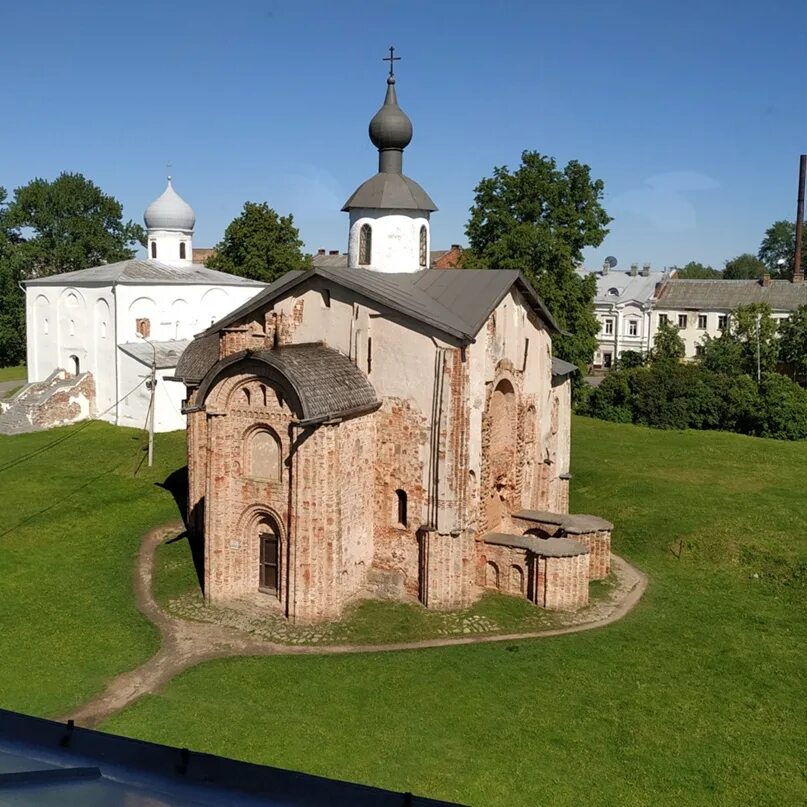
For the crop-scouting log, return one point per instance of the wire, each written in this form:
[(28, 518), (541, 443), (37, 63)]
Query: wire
[(62, 438)]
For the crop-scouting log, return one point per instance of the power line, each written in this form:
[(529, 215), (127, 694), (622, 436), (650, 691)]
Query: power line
[(59, 440)]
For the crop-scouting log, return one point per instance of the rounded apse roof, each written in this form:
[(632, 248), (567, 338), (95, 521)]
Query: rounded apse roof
[(169, 211)]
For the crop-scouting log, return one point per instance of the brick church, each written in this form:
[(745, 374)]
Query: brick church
[(386, 429)]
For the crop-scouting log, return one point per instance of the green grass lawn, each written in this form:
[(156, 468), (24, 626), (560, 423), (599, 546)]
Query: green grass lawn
[(697, 697), (72, 518), (13, 373)]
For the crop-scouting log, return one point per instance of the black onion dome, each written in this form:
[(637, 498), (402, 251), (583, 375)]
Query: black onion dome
[(390, 128)]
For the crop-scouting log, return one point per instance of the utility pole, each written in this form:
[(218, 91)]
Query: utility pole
[(151, 385), (759, 366), (798, 274)]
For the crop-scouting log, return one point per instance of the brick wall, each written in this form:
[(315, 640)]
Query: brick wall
[(447, 564), (503, 568), (561, 584), (598, 544)]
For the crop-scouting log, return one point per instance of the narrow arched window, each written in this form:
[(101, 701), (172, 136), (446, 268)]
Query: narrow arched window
[(269, 571), (76, 365), (182, 250), (423, 245), (400, 496), (365, 245), (153, 249), (45, 326), (263, 456)]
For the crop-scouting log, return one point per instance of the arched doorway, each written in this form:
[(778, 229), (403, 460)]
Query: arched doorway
[(269, 547), (75, 365)]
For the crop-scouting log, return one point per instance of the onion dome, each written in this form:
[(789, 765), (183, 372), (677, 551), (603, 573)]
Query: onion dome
[(390, 128), (169, 211)]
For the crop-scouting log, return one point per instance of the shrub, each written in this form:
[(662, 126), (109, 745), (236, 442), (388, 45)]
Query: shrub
[(784, 408)]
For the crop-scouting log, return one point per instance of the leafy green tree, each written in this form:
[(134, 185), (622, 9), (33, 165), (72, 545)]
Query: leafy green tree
[(793, 341), (744, 267), (630, 359), (668, 346), (784, 408), (755, 329), (778, 249), (722, 354), (697, 271), (53, 227), (538, 219), (259, 244)]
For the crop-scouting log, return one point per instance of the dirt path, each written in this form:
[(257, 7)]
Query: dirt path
[(185, 644)]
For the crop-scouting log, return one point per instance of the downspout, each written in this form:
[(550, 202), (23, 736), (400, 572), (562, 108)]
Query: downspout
[(115, 351), (434, 443)]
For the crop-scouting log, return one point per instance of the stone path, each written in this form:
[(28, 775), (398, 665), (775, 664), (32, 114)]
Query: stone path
[(185, 644)]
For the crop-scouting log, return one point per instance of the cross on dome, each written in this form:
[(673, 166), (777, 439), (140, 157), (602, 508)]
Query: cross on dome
[(392, 58)]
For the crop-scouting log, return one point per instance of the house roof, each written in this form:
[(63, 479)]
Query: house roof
[(544, 547), (456, 303), (167, 354), (561, 368), (620, 287), (781, 295), (325, 384), (141, 271), (199, 356)]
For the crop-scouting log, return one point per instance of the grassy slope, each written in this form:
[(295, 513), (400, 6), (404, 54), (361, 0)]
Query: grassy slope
[(696, 697), (13, 373), (72, 517)]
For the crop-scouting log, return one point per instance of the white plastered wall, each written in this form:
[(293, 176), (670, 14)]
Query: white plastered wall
[(395, 239)]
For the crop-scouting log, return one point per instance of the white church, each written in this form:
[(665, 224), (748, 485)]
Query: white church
[(92, 335)]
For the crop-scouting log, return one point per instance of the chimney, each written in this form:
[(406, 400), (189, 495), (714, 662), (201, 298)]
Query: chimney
[(646, 270), (634, 269), (456, 247), (766, 280), (320, 252), (334, 252), (605, 267)]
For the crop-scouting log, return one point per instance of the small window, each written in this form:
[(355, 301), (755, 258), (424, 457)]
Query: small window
[(702, 322), (103, 330), (423, 252), (369, 355), (613, 292), (72, 327), (143, 327), (663, 319), (633, 327), (609, 327), (153, 249), (400, 497), (45, 327), (365, 245), (182, 250), (607, 360), (326, 298), (270, 557), (682, 320), (76, 365), (722, 321)]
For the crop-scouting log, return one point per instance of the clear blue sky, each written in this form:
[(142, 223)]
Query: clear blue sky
[(693, 113)]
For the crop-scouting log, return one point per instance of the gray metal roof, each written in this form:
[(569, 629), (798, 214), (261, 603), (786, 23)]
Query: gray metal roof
[(726, 295), (142, 271), (544, 547), (572, 523), (621, 287), (561, 368), (167, 353), (324, 383), (456, 302), (390, 191), (197, 359)]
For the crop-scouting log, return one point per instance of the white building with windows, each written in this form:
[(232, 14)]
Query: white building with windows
[(114, 321), (701, 308), (623, 305)]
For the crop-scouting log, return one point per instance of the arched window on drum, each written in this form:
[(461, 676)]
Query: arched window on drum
[(263, 456)]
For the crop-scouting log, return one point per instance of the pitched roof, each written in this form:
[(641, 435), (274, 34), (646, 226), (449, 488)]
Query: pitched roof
[(619, 287), (198, 357), (167, 354), (781, 295), (326, 383), (561, 368), (389, 191), (141, 271), (456, 303)]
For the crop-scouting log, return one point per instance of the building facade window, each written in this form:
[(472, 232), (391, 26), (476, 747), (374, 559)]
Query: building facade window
[(153, 249), (423, 245), (702, 322), (633, 327), (182, 250), (143, 327), (365, 245), (663, 319), (722, 321), (400, 507), (609, 327), (682, 320), (607, 360)]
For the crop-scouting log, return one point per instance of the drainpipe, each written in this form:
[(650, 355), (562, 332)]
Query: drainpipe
[(434, 442), (115, 350)]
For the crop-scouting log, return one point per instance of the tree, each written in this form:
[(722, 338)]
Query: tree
[(697, 271), (778, 249), (629, 359), (744, 267), (49, 228), (259, 245), (538, 219), (668, 346), (793, 341), (722, 354), (755, 329)]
